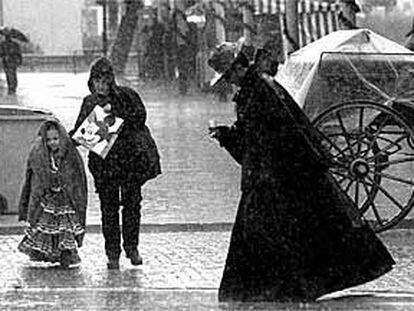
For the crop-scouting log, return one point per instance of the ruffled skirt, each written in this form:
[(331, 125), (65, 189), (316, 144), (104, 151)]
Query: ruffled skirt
[(57, 234)]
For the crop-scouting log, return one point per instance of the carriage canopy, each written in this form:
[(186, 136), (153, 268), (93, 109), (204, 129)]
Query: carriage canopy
[(348, 65)]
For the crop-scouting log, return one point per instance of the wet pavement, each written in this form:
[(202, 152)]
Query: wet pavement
[(181, 271)]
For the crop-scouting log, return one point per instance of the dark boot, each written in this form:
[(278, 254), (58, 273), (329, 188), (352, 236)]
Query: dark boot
[(69, 259), (135, 257), (113, 263)]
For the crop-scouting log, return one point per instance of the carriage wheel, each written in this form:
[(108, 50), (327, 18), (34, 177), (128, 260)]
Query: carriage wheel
[(373, 159)]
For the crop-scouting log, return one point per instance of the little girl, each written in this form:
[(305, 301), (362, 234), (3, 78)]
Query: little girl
[(53, 198)]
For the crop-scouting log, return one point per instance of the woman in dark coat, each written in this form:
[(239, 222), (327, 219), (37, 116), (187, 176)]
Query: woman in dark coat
[(297, 235), (132, 160)]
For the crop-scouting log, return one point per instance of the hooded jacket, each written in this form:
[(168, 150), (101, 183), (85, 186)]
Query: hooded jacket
[(134, 156), (71, 174)]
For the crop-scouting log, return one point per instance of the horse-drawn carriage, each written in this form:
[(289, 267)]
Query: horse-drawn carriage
[(358, 89)]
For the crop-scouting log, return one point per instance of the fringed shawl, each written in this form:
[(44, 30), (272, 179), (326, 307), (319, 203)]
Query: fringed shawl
[(39, 178)]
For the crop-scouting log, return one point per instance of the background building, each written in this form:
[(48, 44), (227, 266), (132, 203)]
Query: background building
[(55, 26), (390, 18)]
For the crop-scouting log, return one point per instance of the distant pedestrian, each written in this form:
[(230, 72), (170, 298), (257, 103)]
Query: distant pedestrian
[(54, 198), (12, 58), (297, 235), (132, 160), (154, 55), (3, 204)]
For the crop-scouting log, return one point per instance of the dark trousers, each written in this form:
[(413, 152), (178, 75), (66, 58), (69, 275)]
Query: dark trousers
[(112, 195), (11, 77)]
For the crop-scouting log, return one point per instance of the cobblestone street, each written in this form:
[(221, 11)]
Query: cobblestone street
[(171, 260), (181, 271)]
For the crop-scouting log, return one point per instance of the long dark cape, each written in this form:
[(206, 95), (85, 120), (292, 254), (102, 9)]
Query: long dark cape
[(297, 235)]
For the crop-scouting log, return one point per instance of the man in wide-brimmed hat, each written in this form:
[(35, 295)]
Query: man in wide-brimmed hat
[(221, 56), (221, 59), (225, 59), (290, 207), (229, 58)]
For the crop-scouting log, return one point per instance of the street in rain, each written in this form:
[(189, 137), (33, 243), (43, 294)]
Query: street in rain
[(345, 66)]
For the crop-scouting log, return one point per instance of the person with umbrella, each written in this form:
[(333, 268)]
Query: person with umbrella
[(297, 235), (11, 55)]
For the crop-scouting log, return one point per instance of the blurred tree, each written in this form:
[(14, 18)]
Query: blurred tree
[(123, 41), (113, 9), (292, 25)]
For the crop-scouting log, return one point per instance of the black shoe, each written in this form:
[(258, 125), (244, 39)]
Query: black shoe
[(69, 259), (135, 258), (113, 264)]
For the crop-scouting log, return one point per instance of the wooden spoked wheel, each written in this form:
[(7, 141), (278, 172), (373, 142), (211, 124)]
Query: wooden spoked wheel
[(373, 158)]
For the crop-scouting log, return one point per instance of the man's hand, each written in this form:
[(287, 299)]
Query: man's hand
[(217, 132)]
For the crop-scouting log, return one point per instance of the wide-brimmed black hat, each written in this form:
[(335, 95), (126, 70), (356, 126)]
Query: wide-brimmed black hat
[(223, 59)]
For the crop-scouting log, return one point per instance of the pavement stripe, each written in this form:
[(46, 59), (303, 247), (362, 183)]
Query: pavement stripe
[(106, 289), (175, 227), (145, 228), (374, 293)]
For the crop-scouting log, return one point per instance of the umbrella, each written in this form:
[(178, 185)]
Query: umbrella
[(14, 34)]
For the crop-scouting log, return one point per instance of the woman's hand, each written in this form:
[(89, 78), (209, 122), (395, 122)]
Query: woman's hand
[(101, 100)]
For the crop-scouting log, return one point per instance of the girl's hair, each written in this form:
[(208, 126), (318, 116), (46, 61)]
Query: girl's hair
[(64, 140), (50, 125)]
